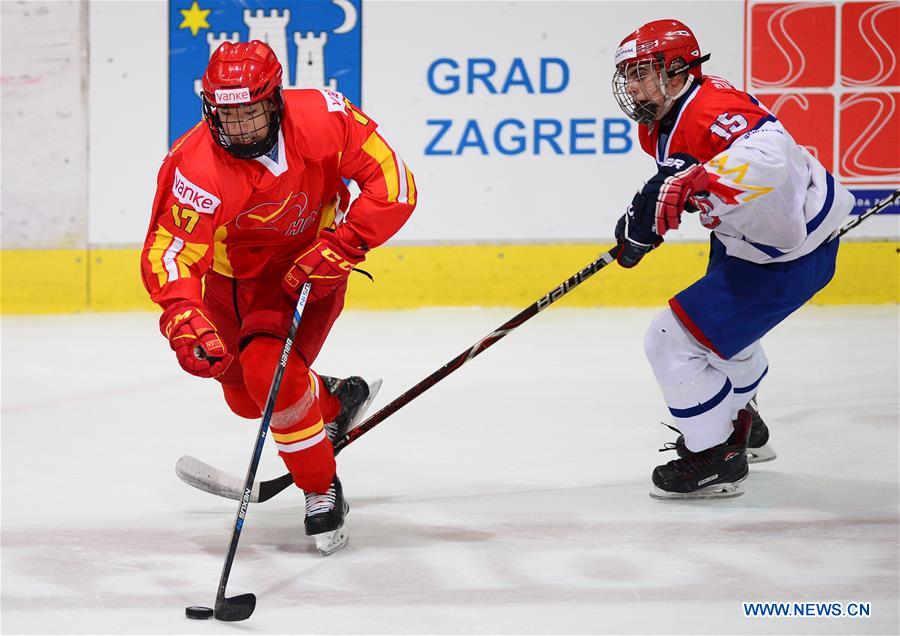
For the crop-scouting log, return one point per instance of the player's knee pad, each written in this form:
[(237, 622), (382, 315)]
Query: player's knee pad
[(673, 353), (259, 360), (240, 402)]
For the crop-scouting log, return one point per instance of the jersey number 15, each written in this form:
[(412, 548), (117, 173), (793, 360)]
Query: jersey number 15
[(727, 126)]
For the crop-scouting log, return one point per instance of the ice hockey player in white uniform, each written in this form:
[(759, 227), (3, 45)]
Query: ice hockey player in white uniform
[(774, 212)]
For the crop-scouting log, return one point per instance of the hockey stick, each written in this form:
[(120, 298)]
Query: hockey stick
[(238, 608), (210, 479), (204, 477), (216, 482), (875, 209)]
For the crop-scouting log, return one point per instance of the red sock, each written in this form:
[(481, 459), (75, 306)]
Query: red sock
[(297, 426), (330, 405)]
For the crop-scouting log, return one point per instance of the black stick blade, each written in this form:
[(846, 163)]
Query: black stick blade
[(236, 608), (268, 489)]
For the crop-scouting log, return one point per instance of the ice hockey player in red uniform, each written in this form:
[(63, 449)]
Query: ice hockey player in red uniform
[(250, 204), (774, 212)]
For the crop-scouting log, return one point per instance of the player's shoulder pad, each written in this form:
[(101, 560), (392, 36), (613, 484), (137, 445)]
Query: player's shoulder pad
[(190, 142), (317, 119), (313, 102), (190, 189), (717, 96), (189, 172)]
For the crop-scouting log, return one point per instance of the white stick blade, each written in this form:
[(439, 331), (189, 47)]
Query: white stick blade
[(201, 475)]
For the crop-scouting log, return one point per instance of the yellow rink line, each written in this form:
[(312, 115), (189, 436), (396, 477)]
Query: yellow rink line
[(61, 281)]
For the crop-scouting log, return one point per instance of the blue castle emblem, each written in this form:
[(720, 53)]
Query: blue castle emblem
[(318, 42)]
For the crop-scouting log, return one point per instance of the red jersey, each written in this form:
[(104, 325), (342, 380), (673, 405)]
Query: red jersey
[(243, 217), (711, 116), (771, 200)]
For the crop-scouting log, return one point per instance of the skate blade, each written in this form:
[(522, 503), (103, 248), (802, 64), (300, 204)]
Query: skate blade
[(764, 453), (330, 542), (374, 387), (718, 491)]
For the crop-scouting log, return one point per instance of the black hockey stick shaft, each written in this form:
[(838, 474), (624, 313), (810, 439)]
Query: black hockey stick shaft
[(489, 340), (272, 487), (526, 314), (878, 207), (241, 607)]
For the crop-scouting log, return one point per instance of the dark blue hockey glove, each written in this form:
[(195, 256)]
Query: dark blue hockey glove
[(634, 241)]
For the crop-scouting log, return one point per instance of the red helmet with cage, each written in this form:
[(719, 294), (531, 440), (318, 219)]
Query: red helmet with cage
[(242, 101), (652, 55)]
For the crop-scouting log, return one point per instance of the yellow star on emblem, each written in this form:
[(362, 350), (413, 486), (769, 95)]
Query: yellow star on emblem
[(194, 18)]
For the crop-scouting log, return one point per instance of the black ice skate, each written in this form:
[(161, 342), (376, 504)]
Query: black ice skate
[(713, 473), (325, 518), (758, 449), (355, 395)]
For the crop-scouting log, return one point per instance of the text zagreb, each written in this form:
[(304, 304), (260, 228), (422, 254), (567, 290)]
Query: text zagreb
[(504, 133)]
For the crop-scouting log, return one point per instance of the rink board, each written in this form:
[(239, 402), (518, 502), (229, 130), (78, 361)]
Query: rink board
[(59, 281)]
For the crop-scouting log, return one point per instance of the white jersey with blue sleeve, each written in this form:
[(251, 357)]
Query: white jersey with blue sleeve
[(771, 200)]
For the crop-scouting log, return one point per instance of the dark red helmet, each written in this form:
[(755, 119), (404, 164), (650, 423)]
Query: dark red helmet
[(239, 75), (664, 47)]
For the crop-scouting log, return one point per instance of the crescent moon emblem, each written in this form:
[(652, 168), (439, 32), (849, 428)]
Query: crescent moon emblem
[(350, 16)]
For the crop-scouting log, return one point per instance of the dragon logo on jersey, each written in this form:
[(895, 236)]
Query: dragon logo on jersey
[(318, 42), (288, 217)]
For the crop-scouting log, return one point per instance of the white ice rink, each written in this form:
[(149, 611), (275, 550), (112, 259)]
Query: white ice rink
[(510, 498)]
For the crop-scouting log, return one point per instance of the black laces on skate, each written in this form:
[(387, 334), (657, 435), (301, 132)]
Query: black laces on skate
[(687, 467), (669, 446)]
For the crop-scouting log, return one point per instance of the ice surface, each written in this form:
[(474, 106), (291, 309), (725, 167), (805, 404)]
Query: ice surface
[(510, 498)]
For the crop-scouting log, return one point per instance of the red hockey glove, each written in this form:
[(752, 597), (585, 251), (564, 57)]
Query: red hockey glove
[(659, 204), (657, 208), (194, 340), (326, 264)]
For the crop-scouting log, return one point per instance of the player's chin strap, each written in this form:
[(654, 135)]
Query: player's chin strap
[(664, 80), (692, 64)]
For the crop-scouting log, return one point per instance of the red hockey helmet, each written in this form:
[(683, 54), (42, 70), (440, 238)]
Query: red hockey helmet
[(654, 53), (242, 100)]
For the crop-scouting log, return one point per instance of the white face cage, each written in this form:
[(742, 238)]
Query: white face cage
[(640, 89)]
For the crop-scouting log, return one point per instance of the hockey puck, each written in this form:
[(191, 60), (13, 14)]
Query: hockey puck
[(198, 612)]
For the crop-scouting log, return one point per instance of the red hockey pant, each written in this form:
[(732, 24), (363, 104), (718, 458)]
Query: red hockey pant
[(253, 317)]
